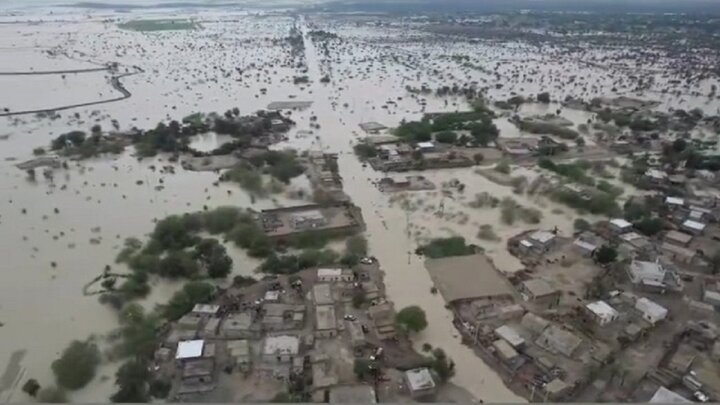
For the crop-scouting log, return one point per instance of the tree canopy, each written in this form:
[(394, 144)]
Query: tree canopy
[(411, 319), (77, 365)]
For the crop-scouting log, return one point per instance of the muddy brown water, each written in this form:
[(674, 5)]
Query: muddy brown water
[(41, 305)]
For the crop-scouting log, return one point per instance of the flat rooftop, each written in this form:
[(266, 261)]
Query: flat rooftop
[(288, 221), (325, 317), (467, 277)]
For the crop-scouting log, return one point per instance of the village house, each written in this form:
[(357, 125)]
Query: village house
[(510, 335), (238, 352), (540, 292), (420, 383), (650, 310), (620, 226), (678, 238), (653, 276), (325, 322), (693, 227), (352, 394), (601, 312), (280, 349), (539, 242), (334, 275), (239, 326), (656, 176), (674, 202), (678, 253), (322, 294), (558, 340)]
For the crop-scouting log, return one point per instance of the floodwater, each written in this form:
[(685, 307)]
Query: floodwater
[(233, 62)]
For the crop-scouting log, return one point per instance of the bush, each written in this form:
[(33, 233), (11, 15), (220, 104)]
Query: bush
[(442, 365), (503, 167), (39, 151), (214, 258), (446, 247), (415, 131), (77, 364), (138, 331), (543, 97), (411, 319), (176, 232)]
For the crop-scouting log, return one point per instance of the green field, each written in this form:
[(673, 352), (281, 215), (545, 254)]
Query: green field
[(159, 25)]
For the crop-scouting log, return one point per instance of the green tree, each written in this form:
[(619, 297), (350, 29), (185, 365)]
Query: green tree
[(131, 379), (362, 368), (503, 167), (182, 302), (77, 364), (411, 319), (446, 137), (606, 254), (178, 263), (221, 219), (649, 226), (214, 257), (442, 365), (543, 97), (138, 331), (356, 245), (581, 225)]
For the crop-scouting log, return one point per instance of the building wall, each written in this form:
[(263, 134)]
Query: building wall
[(325, 334)]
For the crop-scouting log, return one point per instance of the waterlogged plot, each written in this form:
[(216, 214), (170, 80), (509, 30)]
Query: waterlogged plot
[(159, 25)]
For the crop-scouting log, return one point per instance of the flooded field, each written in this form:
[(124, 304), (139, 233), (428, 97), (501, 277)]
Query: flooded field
[(57, 234)]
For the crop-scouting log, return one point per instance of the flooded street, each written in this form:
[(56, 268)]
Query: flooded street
[(59, 233)]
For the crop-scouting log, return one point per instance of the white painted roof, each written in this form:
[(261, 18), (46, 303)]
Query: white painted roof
[(652, 308), (657, 174), (584, 245), (694, 225), (665, 396), (425, 145), (542, 236), (510, 335), (329, 272), (419, 379), (526, 243), (190, 349), (272, 295), (602, 309), (674, 201), (620, 223), (206, 309)]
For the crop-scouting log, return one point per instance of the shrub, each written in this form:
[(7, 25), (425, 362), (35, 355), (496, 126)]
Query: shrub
[(445, 247), (446, 137)]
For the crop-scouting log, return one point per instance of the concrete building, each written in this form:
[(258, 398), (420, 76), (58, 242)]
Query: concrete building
[(325, 322), (678, 238), (534, 324), (557, 340), (620, 226), (693, 227), (651, 311), (210, 330), (674, 202), (540, 292), (238, 352), (656, 176), (352, 394), (280, 349), (322, 294), (677, 253), (206, 309), (602, 312), (505, 351), (652, 275), (711, 297), (357, 337), (542, 240), (420, 383), (383, 318), (282, 317), (189, 349), (510, 335), (239, 326), (334, 275), (666, 396)]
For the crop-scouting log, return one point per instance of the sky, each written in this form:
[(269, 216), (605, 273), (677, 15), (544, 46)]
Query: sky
[(599, 5)]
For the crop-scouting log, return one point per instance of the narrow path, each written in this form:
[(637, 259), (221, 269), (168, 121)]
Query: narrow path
[(115, 82), (53, 72), (406, 279)]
